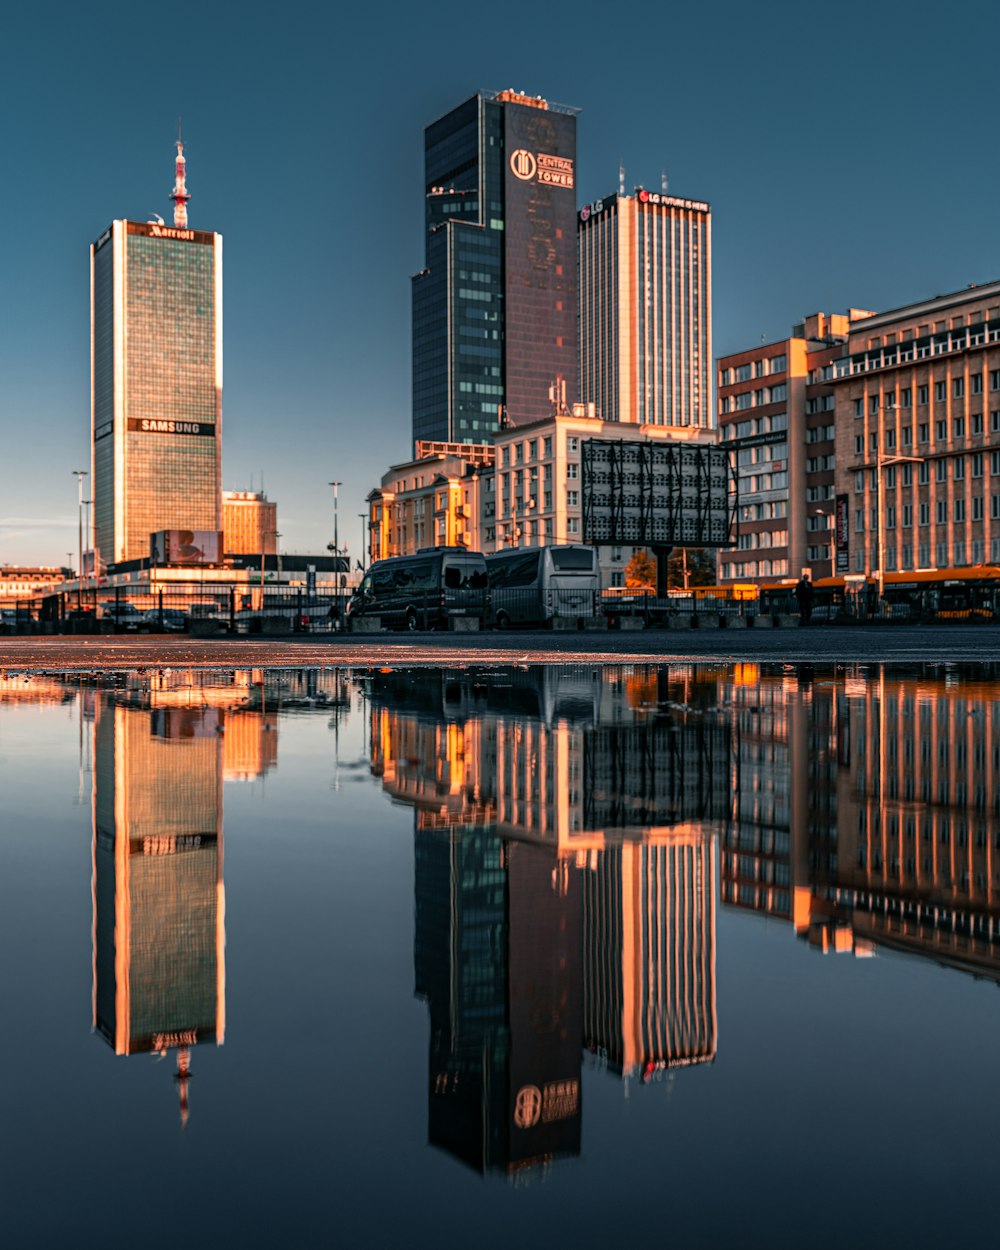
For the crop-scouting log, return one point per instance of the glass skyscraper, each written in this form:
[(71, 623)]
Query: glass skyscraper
[(156, 384), (494, 308)]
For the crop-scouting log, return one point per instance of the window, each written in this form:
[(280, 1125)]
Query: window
[(921, 394), (924, 431), (859, 445), (907, 471), (907, 435), (779, 393), (859, 482), (744, 373), (976, 383), (906, 398), (907, 516), (925, 514), (941, 512), (995, 421), (890, 440), (977, 464), (958, 388), (572, 525), (959, 509), (995, 379), (547, 446), (859, 407), (958, 426), (977, 422), (995, 507), (890, 477), (777, 364), (923, 473), (977, 508), (890, 518), (873, 405), (940, 392), (941, 470), (572, 444), (959, 468), (572, 470), (572, 499)]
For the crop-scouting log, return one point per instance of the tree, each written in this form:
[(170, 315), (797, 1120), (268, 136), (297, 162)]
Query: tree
[(641, 569), (699, 563)]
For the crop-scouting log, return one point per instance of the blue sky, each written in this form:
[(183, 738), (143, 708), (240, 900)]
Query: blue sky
[(848, 152)]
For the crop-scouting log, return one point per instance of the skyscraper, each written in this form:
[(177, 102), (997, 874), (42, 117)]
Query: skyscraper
[(156, 380), (646, 309), (494, 308)]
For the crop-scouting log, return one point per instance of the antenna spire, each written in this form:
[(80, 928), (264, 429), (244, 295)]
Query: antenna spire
[(180, 194)]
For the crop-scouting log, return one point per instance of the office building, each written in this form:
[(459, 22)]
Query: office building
[(495, 306), (645, 273), (918, 436), (776, 413), (249, 523), (156, 381)]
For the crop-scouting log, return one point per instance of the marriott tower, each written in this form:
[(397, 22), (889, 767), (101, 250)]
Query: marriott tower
[(156, 380)]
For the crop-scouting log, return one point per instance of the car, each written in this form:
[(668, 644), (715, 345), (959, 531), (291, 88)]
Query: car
[(125, 615), (169, 621)]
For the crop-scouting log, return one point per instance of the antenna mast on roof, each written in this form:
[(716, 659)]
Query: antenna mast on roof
[(663, 181), (180, 194), (621, 179)]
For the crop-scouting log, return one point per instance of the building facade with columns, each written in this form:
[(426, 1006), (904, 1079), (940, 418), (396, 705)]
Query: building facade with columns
[(918, 436)]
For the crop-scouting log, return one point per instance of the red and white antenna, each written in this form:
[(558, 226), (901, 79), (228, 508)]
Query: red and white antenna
[(180, 194)]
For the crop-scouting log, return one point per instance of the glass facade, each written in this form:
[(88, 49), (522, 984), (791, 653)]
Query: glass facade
[(479, 261), (157, 385)]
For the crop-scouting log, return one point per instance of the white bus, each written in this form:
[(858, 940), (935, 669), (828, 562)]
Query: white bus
[(534, 585)]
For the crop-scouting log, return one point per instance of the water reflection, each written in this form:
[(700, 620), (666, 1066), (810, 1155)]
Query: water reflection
[(575, 827)]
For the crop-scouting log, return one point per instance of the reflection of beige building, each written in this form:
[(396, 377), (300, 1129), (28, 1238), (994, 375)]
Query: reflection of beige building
[(649, 954)]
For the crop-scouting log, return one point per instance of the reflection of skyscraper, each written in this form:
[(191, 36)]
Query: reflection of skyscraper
[(649, 954), (159, 911), (156, 382), (497, 958)]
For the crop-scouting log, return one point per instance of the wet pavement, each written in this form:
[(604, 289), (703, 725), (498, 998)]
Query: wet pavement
[(960, 642)]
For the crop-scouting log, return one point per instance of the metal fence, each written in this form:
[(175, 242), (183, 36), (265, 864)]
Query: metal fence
[(176, 607)]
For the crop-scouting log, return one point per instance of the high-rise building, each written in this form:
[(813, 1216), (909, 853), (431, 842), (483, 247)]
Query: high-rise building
[(645, 272), (494, 308), (249, 523), (156, 380)]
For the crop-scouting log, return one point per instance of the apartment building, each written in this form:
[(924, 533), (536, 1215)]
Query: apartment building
[(918, 436)]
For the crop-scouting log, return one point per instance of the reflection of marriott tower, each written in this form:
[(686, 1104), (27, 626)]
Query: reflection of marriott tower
[(159, 911)]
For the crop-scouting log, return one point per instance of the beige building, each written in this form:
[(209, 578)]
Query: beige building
[(27, 581), (776, 411), (249, 523), (431, 501), (918, 435), (645, 266)]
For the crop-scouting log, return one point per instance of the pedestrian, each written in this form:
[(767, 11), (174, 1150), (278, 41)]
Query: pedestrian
[(804, 593)]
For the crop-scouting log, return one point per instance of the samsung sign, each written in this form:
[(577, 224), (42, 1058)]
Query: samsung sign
[(151, 425)]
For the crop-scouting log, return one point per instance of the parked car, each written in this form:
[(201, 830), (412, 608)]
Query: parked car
[(170, 621), (125, 615), (425, 590)]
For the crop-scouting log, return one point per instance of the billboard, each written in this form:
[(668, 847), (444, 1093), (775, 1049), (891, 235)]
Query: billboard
[(540, 257), (658, 494), (169, 547)]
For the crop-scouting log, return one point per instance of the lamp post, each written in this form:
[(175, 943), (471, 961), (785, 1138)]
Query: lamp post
[(336, 547), (79, 474), (364, 545), (882, 462), (86, 529)]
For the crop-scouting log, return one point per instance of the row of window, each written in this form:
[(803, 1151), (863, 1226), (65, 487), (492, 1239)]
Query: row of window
[(750, 399), (959, 513), (765, 367), (977, 463), (957, 554), (888, 398)]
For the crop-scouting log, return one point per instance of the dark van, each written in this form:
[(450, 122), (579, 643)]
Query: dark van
[(423, 591)]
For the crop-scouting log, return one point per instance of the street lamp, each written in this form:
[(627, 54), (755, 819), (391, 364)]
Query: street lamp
[(336, 547), (883, 462), (364, 545), (86, 530), (79, 474)]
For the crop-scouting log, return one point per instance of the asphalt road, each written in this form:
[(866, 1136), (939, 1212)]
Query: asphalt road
[(896, 644)]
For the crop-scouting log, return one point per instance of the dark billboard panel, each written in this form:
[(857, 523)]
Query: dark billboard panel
[(540, 250), (657, 494)]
